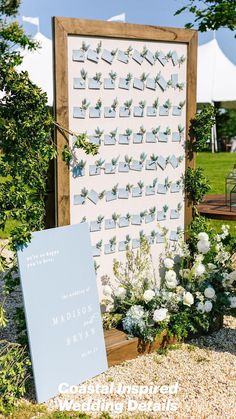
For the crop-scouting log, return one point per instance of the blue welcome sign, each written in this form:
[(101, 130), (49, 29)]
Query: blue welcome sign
[(62, 308)]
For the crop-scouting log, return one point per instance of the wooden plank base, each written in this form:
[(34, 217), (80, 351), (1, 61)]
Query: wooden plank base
[(214, 207), (119, 348)]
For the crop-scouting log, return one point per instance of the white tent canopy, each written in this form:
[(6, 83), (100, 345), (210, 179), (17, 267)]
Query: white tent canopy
[(39, 65), (216, 76)]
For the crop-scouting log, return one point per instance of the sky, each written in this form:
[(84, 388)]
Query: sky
[(149, 12)]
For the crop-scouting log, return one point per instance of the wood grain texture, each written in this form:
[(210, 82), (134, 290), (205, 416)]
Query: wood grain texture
[(63, 27), (191, 108), (119, 348), (213, 206), (62, 117)]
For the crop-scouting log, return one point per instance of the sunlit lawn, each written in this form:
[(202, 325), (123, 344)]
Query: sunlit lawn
[(216, 167)]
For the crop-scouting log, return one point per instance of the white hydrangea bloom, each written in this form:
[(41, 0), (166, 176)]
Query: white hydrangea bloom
[(107, 290), (203, 236), (148, 295), (203, 247), (232, 301), (209, 292), (201, 307), (188, 299), (208, 306), (120, 292), (160, 314), (199, 269)]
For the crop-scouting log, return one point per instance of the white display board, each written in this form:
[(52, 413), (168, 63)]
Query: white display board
[(135, 173)]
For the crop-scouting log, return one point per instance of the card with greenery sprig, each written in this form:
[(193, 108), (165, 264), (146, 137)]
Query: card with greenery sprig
[(109, 56), (151, 164), (162, 83), (160, 56), (79, 169), (125, 111), (95, 82), (163, 136), (177, 136), (139, 110), (95, 112), (112, 194), (93, 196), (137, 191), (124, 56), (151, 137), (111, 246), (80, 54), (111, 138), (136, 56), (177, 110), (80, 112), (110, 168), (151, 189), (109, 83), (80, 83), (164, 110), (148, 55), (138, 137), (152, 110), (125, 138), (139, 83), (150, 217), (94, 55), (110, 111)]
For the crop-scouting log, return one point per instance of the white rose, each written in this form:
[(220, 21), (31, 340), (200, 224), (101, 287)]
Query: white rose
[(201, 307), (120, 292), (172, 283), (148, 295), (160, 314), (209, 292), (203, 247), (170, 275), (232, 301), (188, 299), (107, 290), (168, 263), (203, 237), (200, 269), (208, 306)]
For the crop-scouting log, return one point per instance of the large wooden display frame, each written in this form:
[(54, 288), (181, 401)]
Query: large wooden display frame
[(66, 30)]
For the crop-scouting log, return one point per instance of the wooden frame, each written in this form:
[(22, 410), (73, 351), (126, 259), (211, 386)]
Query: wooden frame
[(64, 27)]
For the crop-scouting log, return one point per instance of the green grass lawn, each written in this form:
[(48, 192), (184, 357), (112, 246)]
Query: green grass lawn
[(216, 167)]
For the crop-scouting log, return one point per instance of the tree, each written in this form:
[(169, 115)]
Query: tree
[(211, 14)]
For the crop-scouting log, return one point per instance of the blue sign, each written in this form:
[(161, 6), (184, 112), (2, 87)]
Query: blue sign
[(62, 308)]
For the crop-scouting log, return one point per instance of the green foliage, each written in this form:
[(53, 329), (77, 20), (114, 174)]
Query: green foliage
[(211, 14), (14, 370), (196, 186), (201, 126), (226, 123)]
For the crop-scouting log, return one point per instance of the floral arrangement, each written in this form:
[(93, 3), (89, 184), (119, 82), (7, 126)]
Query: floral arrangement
[(197, 286)]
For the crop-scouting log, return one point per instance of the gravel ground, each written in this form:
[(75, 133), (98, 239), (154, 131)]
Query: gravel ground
[(205, 370)]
